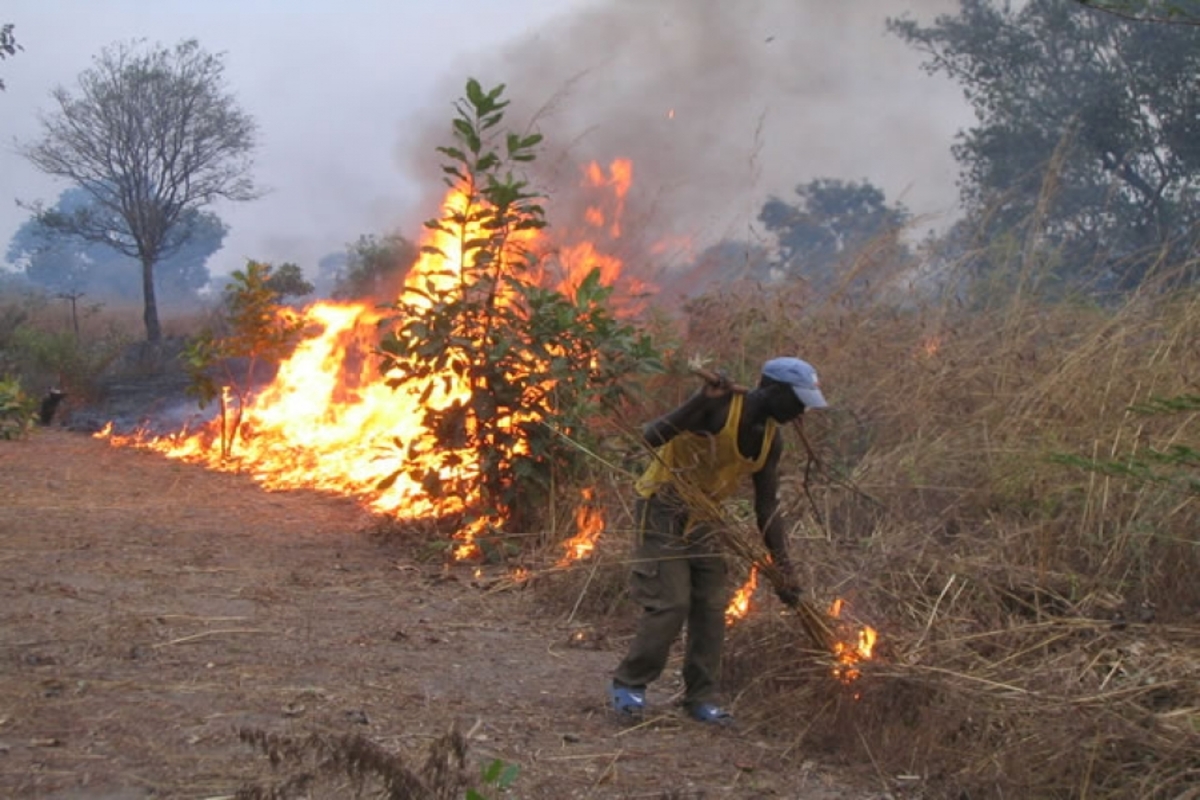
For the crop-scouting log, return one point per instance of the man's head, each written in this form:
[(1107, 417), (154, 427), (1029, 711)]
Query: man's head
[(799, 376)]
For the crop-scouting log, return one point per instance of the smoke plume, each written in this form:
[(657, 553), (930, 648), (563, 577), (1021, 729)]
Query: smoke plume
[(721, 105)]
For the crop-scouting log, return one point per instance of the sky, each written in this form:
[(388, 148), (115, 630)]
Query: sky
[(719, 105)]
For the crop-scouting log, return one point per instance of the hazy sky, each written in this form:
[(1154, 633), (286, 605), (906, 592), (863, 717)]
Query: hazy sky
[(719, 104)]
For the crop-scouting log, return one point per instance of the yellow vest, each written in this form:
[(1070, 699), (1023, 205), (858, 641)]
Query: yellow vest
[(707, 462)]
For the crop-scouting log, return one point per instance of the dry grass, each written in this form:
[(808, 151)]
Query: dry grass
[(1040, 622)]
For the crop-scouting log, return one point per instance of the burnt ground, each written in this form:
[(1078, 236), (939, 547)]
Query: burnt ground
[(152, 609)]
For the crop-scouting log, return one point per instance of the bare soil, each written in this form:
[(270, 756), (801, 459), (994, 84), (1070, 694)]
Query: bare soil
[(152, 609)]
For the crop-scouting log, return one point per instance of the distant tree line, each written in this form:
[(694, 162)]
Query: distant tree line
[(62, 262)]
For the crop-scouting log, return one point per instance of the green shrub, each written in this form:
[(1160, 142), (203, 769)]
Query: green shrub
[(16, 409), (536, 363), (261, 330)]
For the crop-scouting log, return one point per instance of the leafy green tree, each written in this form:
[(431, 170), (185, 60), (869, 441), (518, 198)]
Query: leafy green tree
[(257, 329), (152, 137), (287, 280), (8, 45), (535, 362), (1088, 133), (831, 222), (374, 266), (64, 262)]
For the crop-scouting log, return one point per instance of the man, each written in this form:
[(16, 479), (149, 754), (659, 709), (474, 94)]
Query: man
[(702, 450)]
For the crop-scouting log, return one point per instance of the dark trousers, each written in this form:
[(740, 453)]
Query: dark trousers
[(678, 576)]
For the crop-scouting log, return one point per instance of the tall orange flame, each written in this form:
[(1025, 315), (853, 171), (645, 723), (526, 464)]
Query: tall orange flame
[(328, 421)]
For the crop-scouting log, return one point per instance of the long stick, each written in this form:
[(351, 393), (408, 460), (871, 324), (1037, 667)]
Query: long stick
[(714, 379)]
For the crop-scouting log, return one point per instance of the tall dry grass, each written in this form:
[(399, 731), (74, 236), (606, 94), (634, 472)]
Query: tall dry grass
[(1039, 621)]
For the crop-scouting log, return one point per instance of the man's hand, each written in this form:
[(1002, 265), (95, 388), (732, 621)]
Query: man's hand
[(788, 591), (717, 384)]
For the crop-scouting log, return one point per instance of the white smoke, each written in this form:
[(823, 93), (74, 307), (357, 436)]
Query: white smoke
[(721, 105)]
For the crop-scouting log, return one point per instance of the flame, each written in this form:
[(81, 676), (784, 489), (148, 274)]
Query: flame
[(849, 653), (619, 179), (589, 523), (328, 420), (739, 604)]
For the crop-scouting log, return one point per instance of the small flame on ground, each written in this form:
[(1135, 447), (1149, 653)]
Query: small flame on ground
[(466, 536), (849, 654), (589, 524), (739, 605)]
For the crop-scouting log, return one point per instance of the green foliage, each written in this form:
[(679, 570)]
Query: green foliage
[(536, 363), (1175, 467), (16, 409), (260, 330), (375, 266), (44, 354), (496, 775), (287, 280), (13, 316), (1178, 12)]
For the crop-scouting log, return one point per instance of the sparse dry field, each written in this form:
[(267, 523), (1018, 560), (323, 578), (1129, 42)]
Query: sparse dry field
[(152, 609)]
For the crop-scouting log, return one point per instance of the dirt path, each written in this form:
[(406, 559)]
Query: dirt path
[(151, 609)]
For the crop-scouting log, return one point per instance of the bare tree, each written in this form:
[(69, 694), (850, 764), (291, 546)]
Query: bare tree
[(152, 136)]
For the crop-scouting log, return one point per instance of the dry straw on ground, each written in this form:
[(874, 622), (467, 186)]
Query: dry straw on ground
[(1039, 620)]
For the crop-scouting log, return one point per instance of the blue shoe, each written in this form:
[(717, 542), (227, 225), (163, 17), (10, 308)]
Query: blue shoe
[(628, 701), (707, 712)]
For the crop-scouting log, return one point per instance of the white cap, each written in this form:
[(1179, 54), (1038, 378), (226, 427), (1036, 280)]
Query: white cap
[(801, 376)]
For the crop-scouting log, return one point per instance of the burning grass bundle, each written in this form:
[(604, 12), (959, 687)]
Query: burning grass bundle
[(1041, 699)]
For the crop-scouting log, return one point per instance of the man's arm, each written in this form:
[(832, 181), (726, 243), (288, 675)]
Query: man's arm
[(770, 522), (698, 414)]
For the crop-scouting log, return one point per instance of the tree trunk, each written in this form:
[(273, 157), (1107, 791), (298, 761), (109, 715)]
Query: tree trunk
[(150, 314)]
